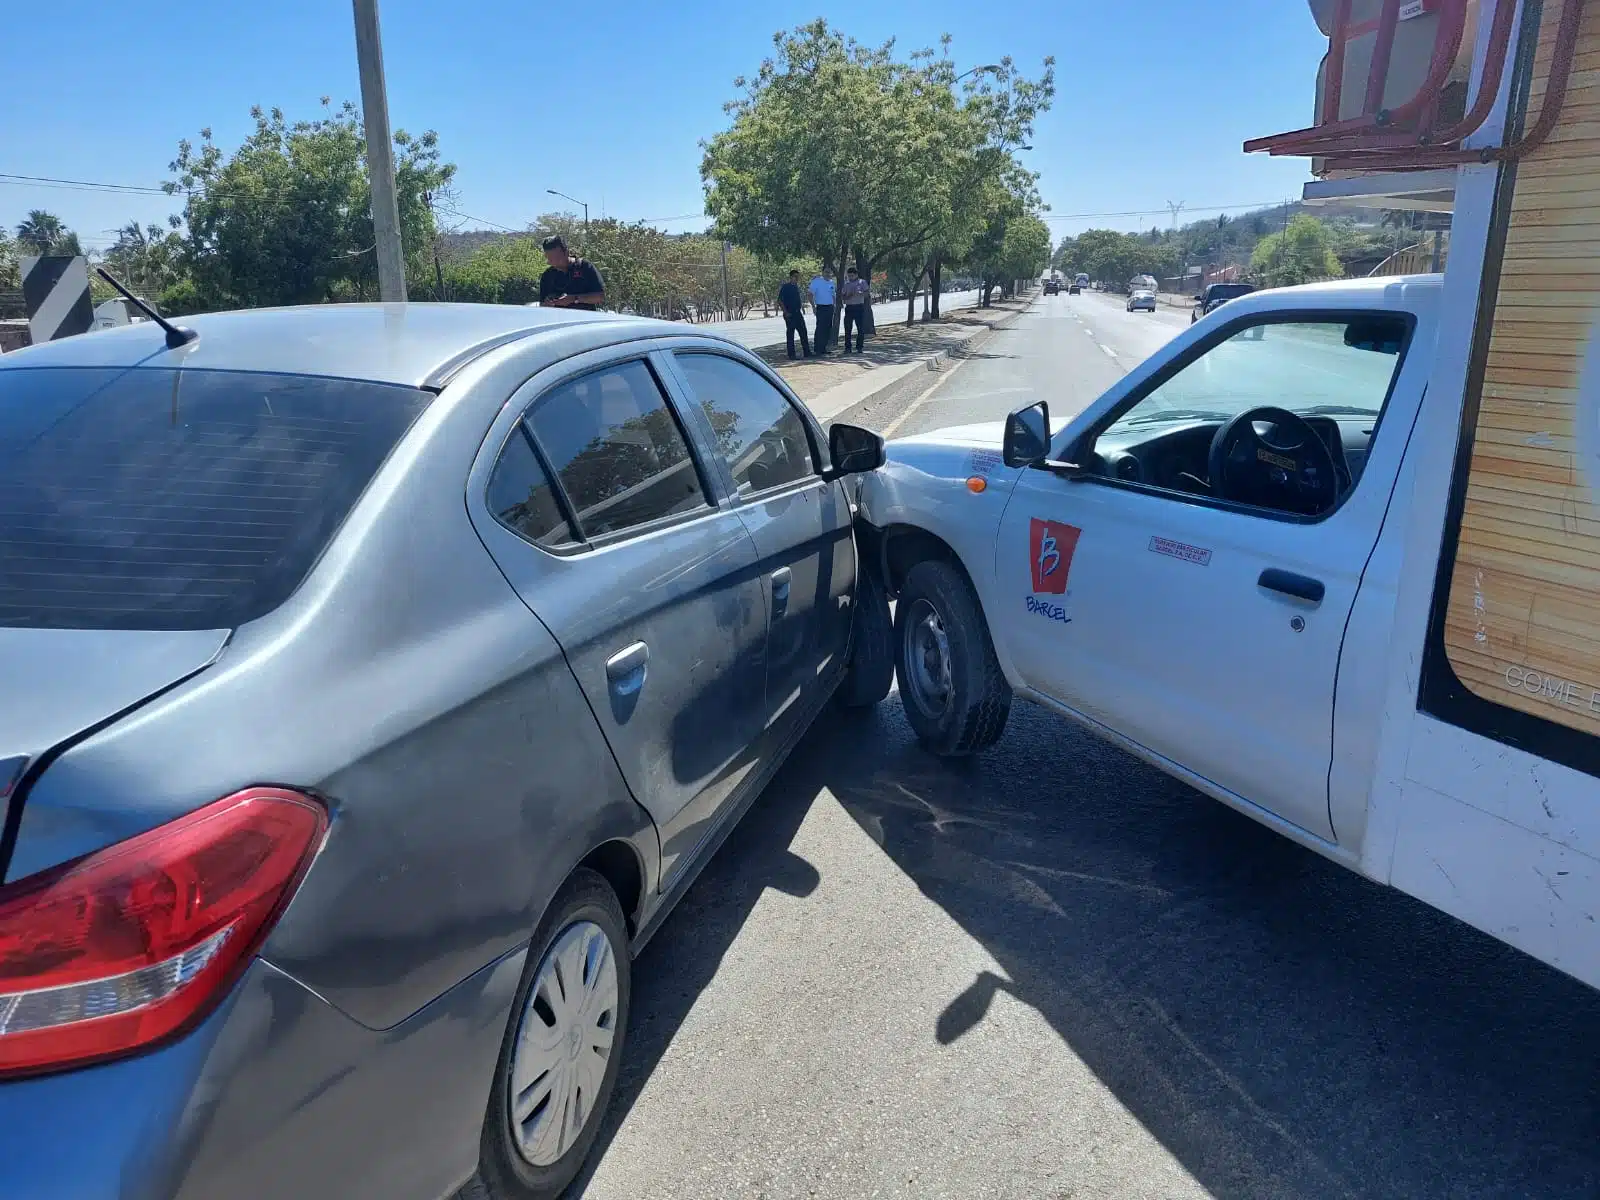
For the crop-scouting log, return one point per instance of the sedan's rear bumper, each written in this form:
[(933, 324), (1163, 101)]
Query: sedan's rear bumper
[(276, 1094)]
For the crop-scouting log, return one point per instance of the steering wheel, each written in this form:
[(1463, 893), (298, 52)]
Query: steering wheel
[(1290, 468)]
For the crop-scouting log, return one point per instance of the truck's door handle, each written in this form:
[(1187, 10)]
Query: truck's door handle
[(1301, 587), (625, 668), (780, 586)]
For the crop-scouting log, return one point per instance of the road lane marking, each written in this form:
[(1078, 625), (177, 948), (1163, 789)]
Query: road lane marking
[(1109, 351), (922, 396)]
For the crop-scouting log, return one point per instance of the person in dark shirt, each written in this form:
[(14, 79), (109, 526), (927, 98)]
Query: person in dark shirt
[(570, 282), (793, 314)]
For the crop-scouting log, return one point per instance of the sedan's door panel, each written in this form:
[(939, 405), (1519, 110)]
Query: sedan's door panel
[(764, 447), (808, 561), (590, 499), (665, 634)]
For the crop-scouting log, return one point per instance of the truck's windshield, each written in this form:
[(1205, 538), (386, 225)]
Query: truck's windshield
[(1307, 367)]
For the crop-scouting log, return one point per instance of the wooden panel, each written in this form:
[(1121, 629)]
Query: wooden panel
[(1522, 625)]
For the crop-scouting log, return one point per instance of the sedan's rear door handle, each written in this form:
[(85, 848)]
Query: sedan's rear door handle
[(626, 667), (1301, 587)]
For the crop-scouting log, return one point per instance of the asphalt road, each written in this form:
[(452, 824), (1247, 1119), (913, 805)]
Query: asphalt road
[(768, 331), (1051, 972)]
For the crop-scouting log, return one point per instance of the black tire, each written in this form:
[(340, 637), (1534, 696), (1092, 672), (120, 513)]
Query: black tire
[(871, 671), (979, 699), (502, 1170)]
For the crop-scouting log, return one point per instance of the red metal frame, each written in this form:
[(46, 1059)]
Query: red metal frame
[(1372, 142), (1333, 135)]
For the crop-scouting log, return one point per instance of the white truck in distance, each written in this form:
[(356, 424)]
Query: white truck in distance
[(1331, 556)]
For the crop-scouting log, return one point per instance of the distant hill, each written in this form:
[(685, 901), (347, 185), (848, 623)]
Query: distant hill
[(462, 245)]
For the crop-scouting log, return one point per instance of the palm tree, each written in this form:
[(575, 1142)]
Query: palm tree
[(41, 232)]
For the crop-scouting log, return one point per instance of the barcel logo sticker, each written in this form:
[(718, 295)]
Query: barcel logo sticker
[(1050, 548)]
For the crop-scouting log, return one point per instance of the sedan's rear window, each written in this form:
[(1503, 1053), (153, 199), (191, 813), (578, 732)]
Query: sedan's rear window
[(162, 499)]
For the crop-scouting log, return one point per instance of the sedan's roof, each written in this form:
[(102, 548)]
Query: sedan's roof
[(389, 343)]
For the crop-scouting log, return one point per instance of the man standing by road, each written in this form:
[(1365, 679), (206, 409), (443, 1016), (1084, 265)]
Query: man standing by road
[(569, 282), (822, 305), (794, 318), (855, 310)]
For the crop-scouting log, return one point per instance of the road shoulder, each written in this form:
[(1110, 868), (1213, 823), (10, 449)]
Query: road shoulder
[(898, 358)]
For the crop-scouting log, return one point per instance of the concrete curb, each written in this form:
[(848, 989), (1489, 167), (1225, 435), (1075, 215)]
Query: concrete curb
[(933, 362), (937, 360)]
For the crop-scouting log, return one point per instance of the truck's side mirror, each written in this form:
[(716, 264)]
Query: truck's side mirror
[(1027, 437), (853, 451)]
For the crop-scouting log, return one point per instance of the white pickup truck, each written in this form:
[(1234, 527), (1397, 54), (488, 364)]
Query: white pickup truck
[(1331, 556)]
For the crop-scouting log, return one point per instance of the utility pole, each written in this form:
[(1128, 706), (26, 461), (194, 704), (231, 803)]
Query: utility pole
[(438, 269), (380, 154), (727, 309)]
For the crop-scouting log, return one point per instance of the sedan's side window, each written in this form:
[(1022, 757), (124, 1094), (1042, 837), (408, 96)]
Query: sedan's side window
[(614, 443), (521, 496), (758, 432)]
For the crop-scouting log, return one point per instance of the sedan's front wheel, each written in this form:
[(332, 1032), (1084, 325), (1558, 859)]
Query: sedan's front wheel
[(955, 696), (558, 1063)]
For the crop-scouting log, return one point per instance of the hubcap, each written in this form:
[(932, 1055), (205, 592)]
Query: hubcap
[(927, 659), (563, 1043)]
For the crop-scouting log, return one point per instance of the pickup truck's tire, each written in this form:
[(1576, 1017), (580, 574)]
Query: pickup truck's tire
[(871, 671), (955, 696), (583, 925)]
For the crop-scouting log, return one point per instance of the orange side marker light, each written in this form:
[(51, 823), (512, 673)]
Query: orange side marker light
[(976, 484)]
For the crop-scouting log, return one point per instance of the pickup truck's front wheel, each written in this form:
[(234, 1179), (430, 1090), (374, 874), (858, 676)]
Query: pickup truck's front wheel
[(955, 696)]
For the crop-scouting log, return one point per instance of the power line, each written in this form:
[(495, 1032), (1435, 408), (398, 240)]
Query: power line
[(81, 184), (14, 179), (1160, 212)]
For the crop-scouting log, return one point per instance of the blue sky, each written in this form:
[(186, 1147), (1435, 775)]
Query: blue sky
[(608, 101)]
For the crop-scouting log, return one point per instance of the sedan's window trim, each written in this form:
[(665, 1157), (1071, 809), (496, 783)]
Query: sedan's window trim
[(737, 498), (586, 541)]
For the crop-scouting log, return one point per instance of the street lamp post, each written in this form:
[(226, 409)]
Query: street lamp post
[(975, 70), (575, 200)]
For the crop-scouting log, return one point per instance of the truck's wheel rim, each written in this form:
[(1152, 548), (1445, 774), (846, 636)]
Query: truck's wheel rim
[(927, 659), (564, 1043)]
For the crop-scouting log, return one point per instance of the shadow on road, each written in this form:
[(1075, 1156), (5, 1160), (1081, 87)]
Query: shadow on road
[(1286, 1028), (1283, 1027), (684, 955)]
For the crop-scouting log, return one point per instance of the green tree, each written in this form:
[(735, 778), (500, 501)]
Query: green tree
[(42, 232), (1114, 257), (10, 272), (882, 175), (149, 259), (286, 218), (1014, 242), (1303, 252), (1005, 104)]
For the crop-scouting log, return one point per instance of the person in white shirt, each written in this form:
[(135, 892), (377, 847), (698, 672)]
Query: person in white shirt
[(821, 289), (856, 294)]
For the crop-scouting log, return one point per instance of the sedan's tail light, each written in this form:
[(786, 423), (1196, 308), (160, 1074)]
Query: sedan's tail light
[(132, 943)]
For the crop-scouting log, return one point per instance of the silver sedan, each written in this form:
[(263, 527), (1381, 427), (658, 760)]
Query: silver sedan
[(377, 678)]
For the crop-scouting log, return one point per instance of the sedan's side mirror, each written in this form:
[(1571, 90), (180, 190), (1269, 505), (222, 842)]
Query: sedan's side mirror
[(1200, 299), (1027, 436), (853, 451)]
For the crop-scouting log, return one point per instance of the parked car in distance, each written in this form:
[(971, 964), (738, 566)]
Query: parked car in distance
[(395, 671), (1142, 298), (1216, 295)]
